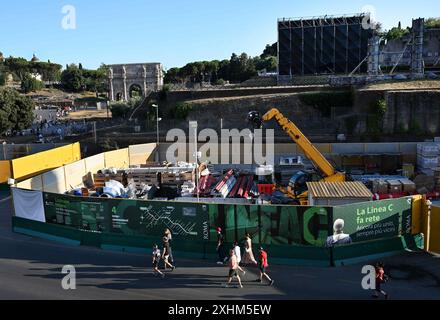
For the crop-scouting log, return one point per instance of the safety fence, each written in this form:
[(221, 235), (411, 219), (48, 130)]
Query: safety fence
[(292, 235), (30, 165), (69, 176)]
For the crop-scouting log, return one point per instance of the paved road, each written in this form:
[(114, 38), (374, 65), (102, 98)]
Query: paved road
[(31, 269)]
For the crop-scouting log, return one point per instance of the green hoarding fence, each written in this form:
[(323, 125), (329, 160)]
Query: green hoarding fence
[(292, 235)]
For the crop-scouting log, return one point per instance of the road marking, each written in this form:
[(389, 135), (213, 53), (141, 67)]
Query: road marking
[(6, 199)]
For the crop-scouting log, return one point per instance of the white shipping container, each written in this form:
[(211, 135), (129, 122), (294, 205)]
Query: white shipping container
[(427, 162), (428, 149)]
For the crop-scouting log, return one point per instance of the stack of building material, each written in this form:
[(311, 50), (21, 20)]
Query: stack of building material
[(427, 157), (205, 185), (380, 186), (408, 186), (143, 178), (394, 186), (188, 189), (99, 179)]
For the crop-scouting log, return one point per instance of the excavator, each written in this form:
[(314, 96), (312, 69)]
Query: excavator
[(297, 188)]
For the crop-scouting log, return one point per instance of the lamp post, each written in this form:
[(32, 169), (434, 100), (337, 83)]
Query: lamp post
[(194, 125), (157, 122)]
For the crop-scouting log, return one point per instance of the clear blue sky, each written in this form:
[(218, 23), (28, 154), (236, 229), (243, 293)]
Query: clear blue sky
[(173, 32)]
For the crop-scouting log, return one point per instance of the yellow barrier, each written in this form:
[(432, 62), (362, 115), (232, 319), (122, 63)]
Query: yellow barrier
[(417, 216), (117, 159), (434, 236), (5, 171), (46, 160), (140, 154)]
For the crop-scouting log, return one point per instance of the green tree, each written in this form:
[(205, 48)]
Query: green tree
[(18, 66), (432, 23), (16, 111), (72, 79), (29, 84), (270, 51)]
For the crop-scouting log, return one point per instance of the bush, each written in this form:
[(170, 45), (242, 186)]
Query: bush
[(2, 79), (16, 111), (377, 110), (182, 110), (120, 110), (30, 84), (220, 82)]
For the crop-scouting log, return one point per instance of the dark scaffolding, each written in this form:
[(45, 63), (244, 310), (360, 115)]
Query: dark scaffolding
[(323, 45)]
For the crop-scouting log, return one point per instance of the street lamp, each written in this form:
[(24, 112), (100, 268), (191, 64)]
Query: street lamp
[(194, 125), (157, 121)]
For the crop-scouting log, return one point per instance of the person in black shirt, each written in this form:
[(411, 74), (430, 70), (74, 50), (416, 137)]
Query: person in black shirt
[(220, 247)]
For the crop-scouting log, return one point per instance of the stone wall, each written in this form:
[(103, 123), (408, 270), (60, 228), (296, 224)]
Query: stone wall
[(412, 111)]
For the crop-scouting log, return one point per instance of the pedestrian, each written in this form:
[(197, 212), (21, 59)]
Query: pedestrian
[(381, 277), (220, 247), (233, 267), (166, 253), (248, 257), (237, 252), (155, 261), (168, 234), (263, 264)]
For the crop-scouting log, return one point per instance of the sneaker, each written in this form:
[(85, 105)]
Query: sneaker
[(271, 283), (241, 286), (258, 280), (172, 269), (219, 262), (244, 272)]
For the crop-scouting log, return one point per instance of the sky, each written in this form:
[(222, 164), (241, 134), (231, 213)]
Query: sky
[(173, 32)]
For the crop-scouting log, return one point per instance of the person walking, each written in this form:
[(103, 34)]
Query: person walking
[(220, 247), (168, 234), (155, 261), (237, 252), (233, 267), (381, 277), (263, 264), (166, 253), (248, 257)]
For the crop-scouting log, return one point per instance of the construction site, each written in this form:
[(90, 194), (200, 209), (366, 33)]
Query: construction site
[(334, 161)]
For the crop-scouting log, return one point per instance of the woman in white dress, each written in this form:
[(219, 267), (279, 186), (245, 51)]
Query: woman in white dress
[(248, 256)]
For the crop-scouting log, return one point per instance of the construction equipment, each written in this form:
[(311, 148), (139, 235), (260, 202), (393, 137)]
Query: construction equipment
[(297, 188)]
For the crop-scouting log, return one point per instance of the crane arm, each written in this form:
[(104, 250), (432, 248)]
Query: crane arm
[(306, 146)]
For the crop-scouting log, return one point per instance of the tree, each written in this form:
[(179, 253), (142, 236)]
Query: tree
[(16, 111), (72, 79), (270, 51), (29, 84), (18, 66), (432, 23)]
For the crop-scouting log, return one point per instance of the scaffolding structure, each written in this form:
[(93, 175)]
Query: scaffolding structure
[(323, 45)]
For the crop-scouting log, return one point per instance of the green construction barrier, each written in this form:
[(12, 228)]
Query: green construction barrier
[(371, 250)]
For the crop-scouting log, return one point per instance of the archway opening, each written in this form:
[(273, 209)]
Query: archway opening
[(118, 96), (135, 91)]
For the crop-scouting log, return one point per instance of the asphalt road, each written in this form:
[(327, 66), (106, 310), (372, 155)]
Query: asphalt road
[(30, 268)]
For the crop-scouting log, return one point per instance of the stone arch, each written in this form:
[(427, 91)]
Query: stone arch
[(145, 77), (135, 90)]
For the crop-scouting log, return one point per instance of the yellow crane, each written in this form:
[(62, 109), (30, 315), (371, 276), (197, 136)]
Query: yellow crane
[(327, 171)]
